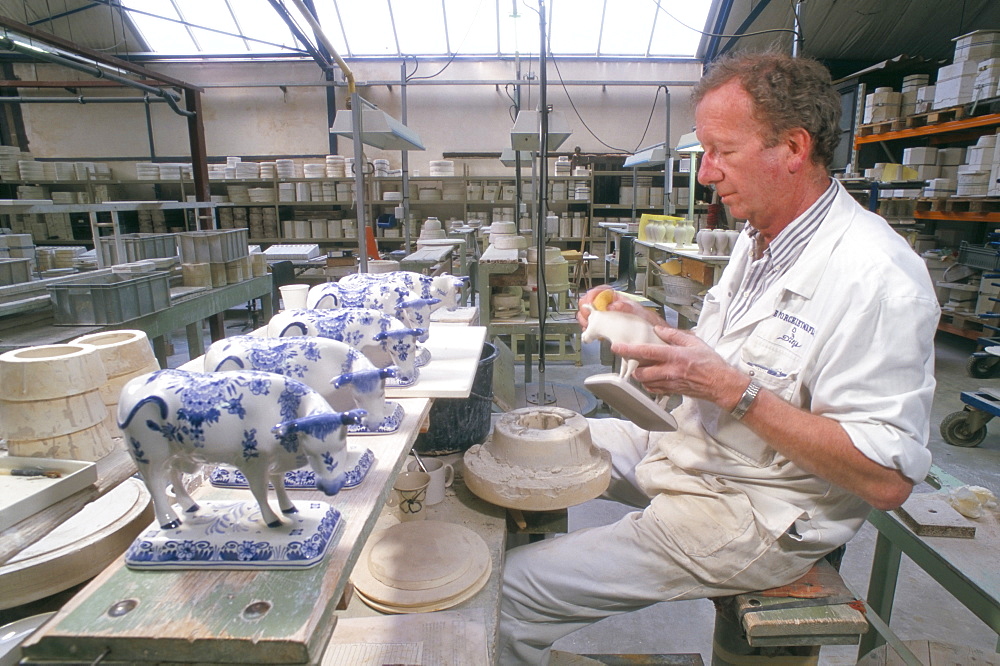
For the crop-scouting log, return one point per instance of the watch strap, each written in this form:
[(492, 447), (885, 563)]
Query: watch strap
[(749, 395)]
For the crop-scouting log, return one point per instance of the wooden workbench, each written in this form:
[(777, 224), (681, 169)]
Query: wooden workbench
[(964, 567), (220, 616)]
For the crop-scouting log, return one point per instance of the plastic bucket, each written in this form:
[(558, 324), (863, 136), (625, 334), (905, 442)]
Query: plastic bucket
[(458, 423)]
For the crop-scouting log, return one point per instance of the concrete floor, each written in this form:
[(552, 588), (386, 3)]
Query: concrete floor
[(923, 610)]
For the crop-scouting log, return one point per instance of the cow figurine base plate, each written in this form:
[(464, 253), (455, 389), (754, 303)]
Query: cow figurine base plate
[(232, 535), (631, 402), (358, 464), (390, 423), (423, 356)]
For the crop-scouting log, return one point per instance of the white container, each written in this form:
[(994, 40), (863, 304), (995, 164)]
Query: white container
[(293, 296)]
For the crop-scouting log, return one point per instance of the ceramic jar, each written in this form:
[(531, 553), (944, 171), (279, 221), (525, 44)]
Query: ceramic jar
[(51, 404), (684, 233), (706, 241)]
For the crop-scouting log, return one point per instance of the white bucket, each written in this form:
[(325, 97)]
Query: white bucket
[(293, 296)]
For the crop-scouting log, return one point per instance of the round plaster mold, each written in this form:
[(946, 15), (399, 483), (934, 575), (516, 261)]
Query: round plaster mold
[(538, 459)]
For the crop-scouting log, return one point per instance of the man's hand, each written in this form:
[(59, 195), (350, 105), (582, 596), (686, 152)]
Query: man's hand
[(685, 366), (620, 303)]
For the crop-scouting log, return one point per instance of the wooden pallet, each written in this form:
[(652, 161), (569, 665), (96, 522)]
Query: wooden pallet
[(960, 205), (937, 116), (914, 121), (966, 325)]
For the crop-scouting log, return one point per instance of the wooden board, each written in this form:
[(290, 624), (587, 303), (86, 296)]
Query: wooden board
[(455, 353), (931, 515), (272, 617)]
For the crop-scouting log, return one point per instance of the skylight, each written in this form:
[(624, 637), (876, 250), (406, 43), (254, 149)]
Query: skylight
[(394, 28)]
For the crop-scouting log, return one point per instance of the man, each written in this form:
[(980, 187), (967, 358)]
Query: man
[(807, 383)]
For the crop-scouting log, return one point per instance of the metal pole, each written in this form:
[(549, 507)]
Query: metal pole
[(541, 397), (406, 168), (797, 37), (359, 181)]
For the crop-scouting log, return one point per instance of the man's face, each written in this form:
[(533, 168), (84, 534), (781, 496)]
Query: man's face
[(748, 176)]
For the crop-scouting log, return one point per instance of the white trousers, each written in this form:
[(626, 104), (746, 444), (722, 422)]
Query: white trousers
[(677, 546)]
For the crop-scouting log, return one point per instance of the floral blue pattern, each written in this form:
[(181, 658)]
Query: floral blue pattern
[(296, 479), (206, 544)]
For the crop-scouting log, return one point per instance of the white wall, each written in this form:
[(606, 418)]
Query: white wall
[(271, 121)]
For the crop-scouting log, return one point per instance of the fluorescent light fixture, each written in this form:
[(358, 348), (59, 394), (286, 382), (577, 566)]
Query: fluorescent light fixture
[(508, 157), (689, 143), (378, 129), (525, 134), (647, 156)]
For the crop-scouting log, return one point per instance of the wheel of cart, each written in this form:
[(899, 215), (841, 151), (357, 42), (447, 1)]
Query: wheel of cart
[(968, 427), (985, 364)]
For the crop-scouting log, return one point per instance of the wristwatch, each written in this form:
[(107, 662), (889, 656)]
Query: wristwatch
[(740, 410)]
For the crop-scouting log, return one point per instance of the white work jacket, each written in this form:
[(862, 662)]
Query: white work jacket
[(848, 333)]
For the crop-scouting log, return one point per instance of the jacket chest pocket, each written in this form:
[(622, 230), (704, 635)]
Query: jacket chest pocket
[(774, 355)]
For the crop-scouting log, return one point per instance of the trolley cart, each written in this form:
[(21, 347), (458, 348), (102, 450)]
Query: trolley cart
[(984, 364), (968, 427)]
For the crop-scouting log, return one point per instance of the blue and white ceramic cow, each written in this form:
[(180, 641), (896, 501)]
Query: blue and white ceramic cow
[(261, 423), (342, 375), (446, 287), (391, 297), (380, 337)]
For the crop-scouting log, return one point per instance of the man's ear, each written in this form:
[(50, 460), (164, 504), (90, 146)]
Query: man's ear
[(799, 144)]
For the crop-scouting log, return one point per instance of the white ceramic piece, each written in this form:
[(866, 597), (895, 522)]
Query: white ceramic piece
[(620, 327), (508, 241), (293, 296), (538, 459), (380, 337), (409, 495), (706, 241), (390, 295), (442, 476), (50, 371), (376, 266), (175, 420), (445, 287), (342, 375)]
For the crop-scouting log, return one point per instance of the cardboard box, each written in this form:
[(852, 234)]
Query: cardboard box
[(977, 45), (920, 155)]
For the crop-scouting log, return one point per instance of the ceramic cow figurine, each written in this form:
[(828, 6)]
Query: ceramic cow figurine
[(620, 327), (334, 369), (446, 287), (380, 337), (261, 423), (392, 298)]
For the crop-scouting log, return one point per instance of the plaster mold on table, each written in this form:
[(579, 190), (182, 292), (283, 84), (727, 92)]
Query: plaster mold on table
[(50, 402), (175, 421), (380, 337), (342, 375), (538, 459), (126, 354)]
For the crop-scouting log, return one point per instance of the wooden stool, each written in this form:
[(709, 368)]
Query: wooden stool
[(792, 620)]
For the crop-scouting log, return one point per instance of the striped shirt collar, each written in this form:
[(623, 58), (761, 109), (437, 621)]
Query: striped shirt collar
[(788, 245)]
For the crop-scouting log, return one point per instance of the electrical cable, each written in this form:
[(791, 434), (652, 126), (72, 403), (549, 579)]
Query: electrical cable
[(649, 120), (577, 112), (457, 48), (723, 35)]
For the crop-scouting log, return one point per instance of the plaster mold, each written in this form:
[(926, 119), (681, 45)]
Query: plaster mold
[(538, 459)]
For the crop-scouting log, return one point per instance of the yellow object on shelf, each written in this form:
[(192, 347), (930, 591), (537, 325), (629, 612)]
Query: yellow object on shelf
[(671, 266), (649, 217)]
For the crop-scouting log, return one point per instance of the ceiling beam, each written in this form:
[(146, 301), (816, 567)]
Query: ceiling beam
[(96, 56), (747, 22)]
